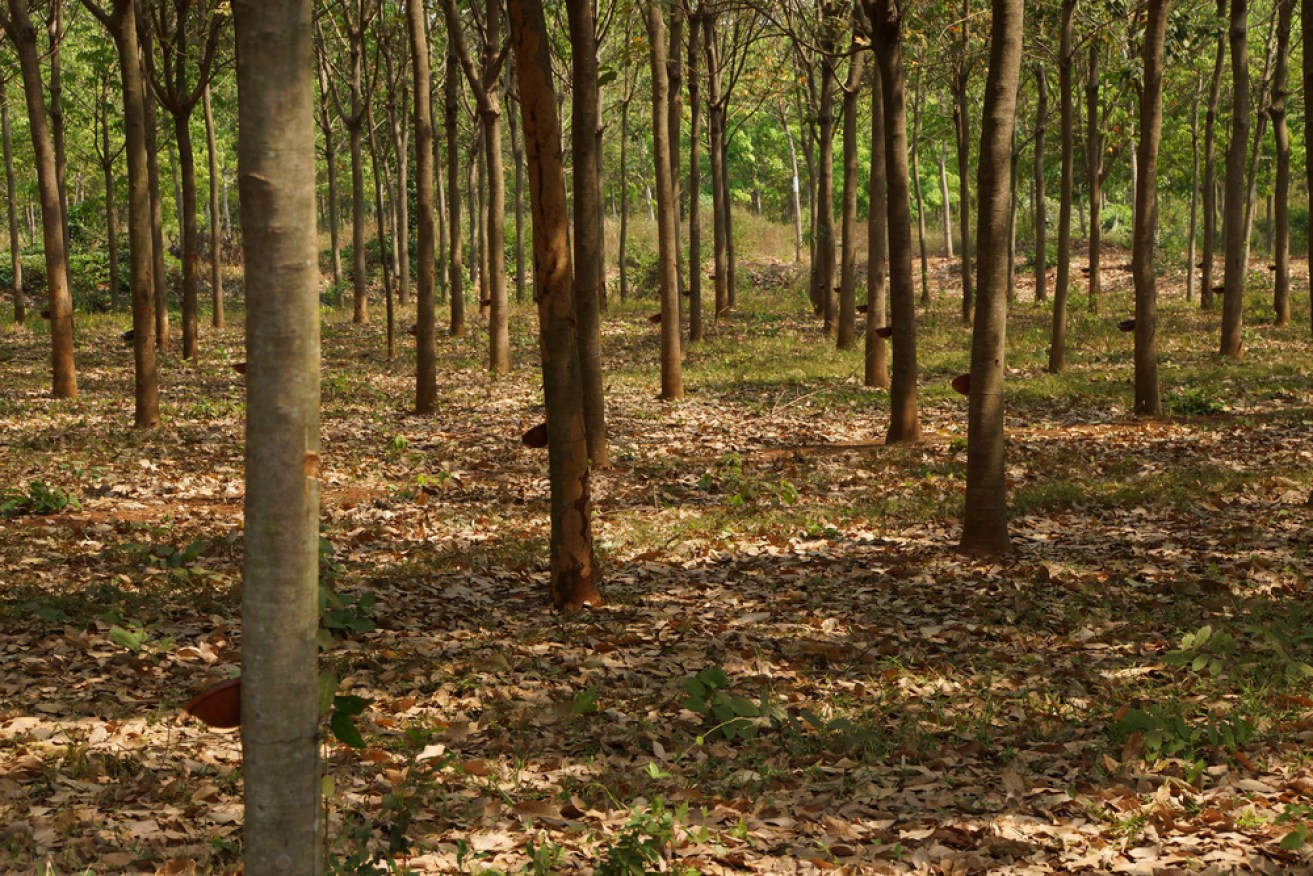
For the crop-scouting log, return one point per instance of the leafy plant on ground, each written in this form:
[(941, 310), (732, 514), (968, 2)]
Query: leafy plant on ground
[(1204, 651), (1167, 733), (644, 842), (731, 716), (41, 498)]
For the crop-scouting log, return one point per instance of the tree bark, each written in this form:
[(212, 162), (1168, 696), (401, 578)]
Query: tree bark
[(672, 380), (121, 23), (589, 276), (280, 592), (216, 240), (797, 185), (160, 279), (985, 518), (1041, 218), (675, 95), (574, 580), (847, 329), (1306, 31), (1281, 134), (517, 158), (330, 160), (695, 331), (106, 154), (426, 380), (887, 40), (824, 228), (1233, 211), (876, 371), (18, 26), (916, 187), (1210, 169), (715, 131), (455, 270), (1148, 402), (11, 198), (487, 94), (1094, 156), (948, 207), (1192, 244), (962, 129)]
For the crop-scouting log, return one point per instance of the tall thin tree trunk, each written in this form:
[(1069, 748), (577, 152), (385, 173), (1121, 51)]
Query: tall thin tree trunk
[(672, 380), (380, 219), (55, 30), (11, 198), (1306, 31), (847, 328), (280, 592), (1206, 285), (1280, 133), (675, 94), (948, 207), (187, 221), (985, 517), (876, 371), (401, 203), (158, 275), (1233, 212), (330, 160), (1094, 156), (715, 131), (624, 197), (426, 380), (589, 277), (517, 158), (216, 240), (1192, 244), (1148, 401), (1041, 217), (962, 129), (695, 331), (121, 23), (574, 578), (111, 209), (60, 301), (824, 231), (916, 187), (455, 271), (904, 418)]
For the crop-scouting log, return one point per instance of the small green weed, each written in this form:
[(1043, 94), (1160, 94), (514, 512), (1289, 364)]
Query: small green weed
[(41, 498), (708, 694)]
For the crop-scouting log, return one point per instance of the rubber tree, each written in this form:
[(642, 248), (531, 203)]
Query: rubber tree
[(350, 23), (876, 370), (1236, 194), (426, 380), (1306, 31), (120, 20), (174, 25), (484, 83), (574, 580), (1206, 286), (11, 198), (672, 378), (589, 242), (886, 18), (985, 518), (283, 831), (846, 337), (216, 239), (17, 24), (1148, 401), (1067, 122), (1281, 136), (959, 85)]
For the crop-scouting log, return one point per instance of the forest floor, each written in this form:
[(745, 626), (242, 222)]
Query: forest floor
[(1129, 692)]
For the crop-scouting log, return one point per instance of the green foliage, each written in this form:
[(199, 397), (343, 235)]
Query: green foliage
[(708, 693), (1205, 651), (644, 842), (1168, 734), (1302, 832), (746, 490), (41, 498), (1194, 401), (339, 615)]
